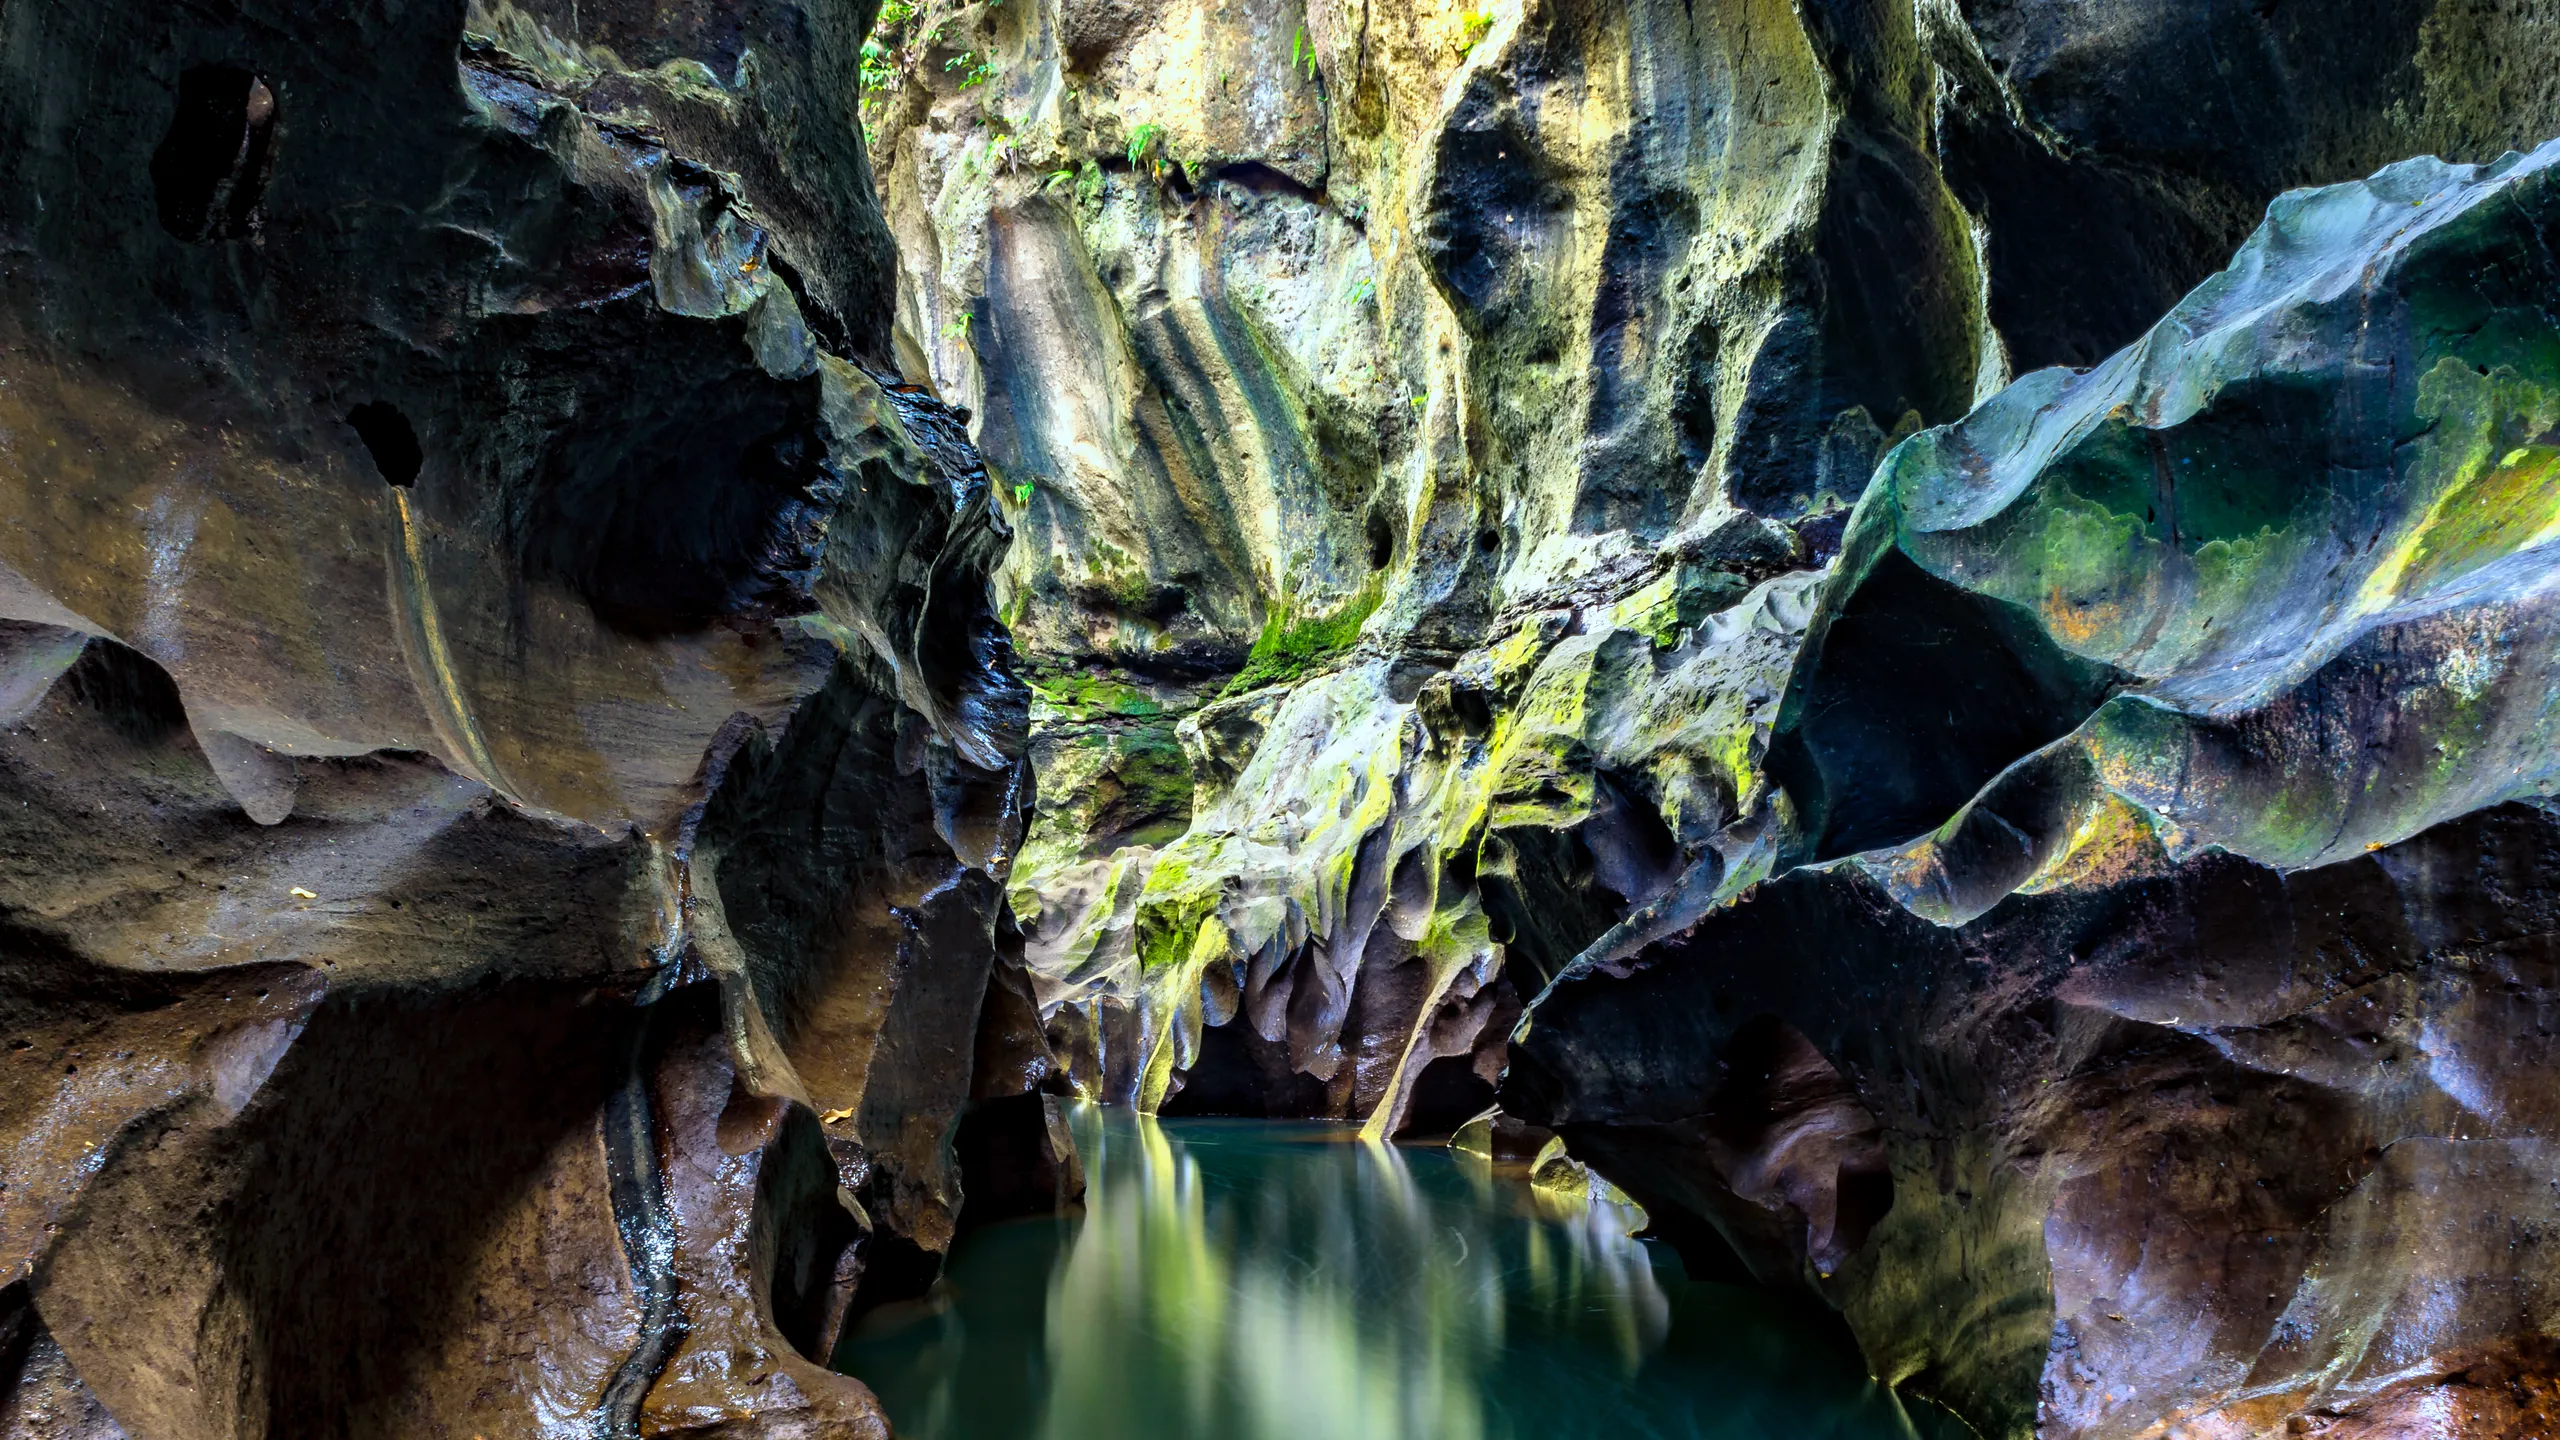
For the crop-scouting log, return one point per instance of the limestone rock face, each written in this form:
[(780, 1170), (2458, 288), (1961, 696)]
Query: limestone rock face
[(2151, 1022), (2068, 902), (1420, 423), (507, 759)]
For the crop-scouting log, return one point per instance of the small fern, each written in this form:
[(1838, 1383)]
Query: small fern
[(1302, 53), (1142, 140)]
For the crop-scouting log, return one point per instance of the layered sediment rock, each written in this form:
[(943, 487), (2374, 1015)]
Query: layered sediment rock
[(508, 758)]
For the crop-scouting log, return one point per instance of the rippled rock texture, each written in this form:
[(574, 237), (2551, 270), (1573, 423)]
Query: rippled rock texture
[(508, 757), (1378, 390), (2152, 1020), (2071, 902)]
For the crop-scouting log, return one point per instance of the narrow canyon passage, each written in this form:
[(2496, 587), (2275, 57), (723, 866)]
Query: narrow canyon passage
[(839, 719)]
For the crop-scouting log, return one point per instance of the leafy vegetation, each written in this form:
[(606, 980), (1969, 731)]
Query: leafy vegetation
[(1143, 139), (906, 32), (1302, 53), (1472, 28)]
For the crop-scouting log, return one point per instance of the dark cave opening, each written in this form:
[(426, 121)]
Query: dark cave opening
[(210, 173), (390, 439)]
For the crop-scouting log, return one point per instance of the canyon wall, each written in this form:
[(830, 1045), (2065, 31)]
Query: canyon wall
[(506, 756), (2072, 902)]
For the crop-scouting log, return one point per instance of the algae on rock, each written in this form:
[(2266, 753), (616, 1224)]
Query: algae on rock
[(509, 754), (1454, 424)]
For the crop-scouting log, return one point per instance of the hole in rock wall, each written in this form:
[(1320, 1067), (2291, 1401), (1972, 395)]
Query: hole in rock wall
[(1918, 695), (390, 439), (210, 173), (138, 700), (665, 522), (1447, 1094), (1238, 1073), (1382, 540)]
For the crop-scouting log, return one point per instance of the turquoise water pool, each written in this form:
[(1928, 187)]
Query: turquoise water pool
[(1249, 1280)]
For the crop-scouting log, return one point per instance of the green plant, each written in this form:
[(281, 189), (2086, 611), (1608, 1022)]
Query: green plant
[(957, 329), (1302, 53), (1142, 141), (1022, 493), (971, 69), (896, 48), (1361, 290), (1058, 177), (879, 66), (996, 151), (1472, 28)]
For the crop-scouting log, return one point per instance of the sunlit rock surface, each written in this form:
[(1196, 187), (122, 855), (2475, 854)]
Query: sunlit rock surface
[(1403, 408), (1438, 427), (508, 757), (2156, 1023)]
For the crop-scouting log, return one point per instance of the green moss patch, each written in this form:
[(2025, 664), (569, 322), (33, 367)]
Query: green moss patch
[(1292, 647)]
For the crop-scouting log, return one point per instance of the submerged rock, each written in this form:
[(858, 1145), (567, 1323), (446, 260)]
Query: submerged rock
[(509, 762)]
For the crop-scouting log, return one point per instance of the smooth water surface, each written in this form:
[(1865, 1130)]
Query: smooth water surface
[(1247, 1280)]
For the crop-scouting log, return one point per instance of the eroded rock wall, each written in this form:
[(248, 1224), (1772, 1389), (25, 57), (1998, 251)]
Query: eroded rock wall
[(1452, 428), (508, 755), (1330, 354), (2181, 1070)]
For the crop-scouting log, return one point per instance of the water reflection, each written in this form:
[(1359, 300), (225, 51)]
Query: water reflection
[(1255, 1281)]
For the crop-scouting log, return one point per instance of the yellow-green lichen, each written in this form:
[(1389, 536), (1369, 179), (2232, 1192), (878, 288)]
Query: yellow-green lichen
[(1292, 646)]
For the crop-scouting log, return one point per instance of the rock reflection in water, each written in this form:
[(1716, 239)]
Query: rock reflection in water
[(1253, 1281)]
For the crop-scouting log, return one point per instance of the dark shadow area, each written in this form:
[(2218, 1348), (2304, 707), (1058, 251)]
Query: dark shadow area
[(210, 173), (390, 439), (1920, 692), (1447, 1094), (1239, 1073), (129, 691), (671, 516)]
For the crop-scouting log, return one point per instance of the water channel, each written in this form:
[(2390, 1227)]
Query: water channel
[(1251, 1280)]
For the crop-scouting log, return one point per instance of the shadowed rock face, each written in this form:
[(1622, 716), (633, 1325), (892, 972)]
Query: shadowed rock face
[(508, 757), (2199, 1046)]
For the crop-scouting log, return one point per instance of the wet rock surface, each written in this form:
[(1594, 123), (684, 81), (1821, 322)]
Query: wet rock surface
[(1652, 644), (2184, 1068), (508, 756), (1337, 366), (1551, 575)]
